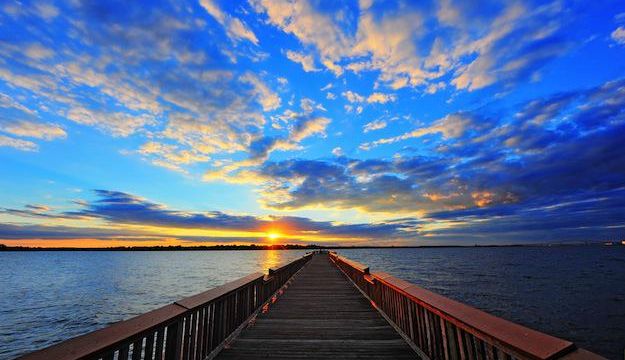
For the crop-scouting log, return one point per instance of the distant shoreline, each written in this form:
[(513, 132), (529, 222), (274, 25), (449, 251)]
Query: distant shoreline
[(270, 247)]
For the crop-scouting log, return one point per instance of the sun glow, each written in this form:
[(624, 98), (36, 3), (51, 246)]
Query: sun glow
[(273, 236)]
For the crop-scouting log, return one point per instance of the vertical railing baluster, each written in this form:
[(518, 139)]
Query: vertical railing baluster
[(430, 334), (123, 353), (210, 328), (194, 330), (184, 355), (160, 339), (461, 345), (443, 333), (149, 347), (490, 353), (217, 323), (199, 352), (452, 341), (137, 348), (468, 340), (173, 342)]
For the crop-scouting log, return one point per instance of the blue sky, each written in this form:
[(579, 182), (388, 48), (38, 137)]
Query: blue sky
[(351, 122)]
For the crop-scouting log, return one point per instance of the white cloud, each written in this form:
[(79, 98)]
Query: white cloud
[(170, 153), (434, 87), (7, 101), (381, 98), (389, 41), (451, 126), (217, 131), (337, 151), (618, 35), (117, 124), (170, 156), (125, 90), (353, 97), (374, 125), (46, 10), (268, 99), (199, 108), (23, 145), (332, 66), (309, 26), (497, 61), (34, 130), (365, 4), (307, 61), (235, 28), (38, 52), (314, 126)]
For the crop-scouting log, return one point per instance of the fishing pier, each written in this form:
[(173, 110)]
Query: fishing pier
[(321, 306)]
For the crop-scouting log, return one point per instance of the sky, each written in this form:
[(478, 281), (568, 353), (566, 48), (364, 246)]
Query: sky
[(306, 121)]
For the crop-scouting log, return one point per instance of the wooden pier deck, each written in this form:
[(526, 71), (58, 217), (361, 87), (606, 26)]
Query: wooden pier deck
[(320, 316)]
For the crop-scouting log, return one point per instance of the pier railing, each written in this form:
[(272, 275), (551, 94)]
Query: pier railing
[(191, 328), (440, 328)]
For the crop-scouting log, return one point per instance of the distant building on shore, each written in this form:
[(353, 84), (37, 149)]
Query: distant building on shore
[(611, 243)]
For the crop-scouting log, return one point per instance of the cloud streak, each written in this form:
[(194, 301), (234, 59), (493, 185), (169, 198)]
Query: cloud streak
[(122, 209)]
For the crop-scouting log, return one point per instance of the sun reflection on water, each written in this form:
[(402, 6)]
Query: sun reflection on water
[(271, 259)]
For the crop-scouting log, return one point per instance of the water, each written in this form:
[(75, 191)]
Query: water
[(577, 293)]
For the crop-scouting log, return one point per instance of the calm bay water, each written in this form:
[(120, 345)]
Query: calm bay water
[(577, 293)]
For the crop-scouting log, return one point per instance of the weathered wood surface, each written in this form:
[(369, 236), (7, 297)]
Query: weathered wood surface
[(321, 316)]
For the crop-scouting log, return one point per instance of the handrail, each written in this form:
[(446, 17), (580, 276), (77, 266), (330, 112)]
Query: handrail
[(190, 328), (441, 328)]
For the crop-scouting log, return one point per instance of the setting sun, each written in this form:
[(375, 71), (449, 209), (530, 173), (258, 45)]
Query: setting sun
[(273, 236)]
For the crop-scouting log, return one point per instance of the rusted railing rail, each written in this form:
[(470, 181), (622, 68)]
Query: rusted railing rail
[(441, 328), (191, 328)]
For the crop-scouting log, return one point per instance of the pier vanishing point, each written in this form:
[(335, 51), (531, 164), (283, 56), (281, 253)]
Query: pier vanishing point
[(321, 306)]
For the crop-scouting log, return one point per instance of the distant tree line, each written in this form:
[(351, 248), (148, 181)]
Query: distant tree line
[(4, 247)]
